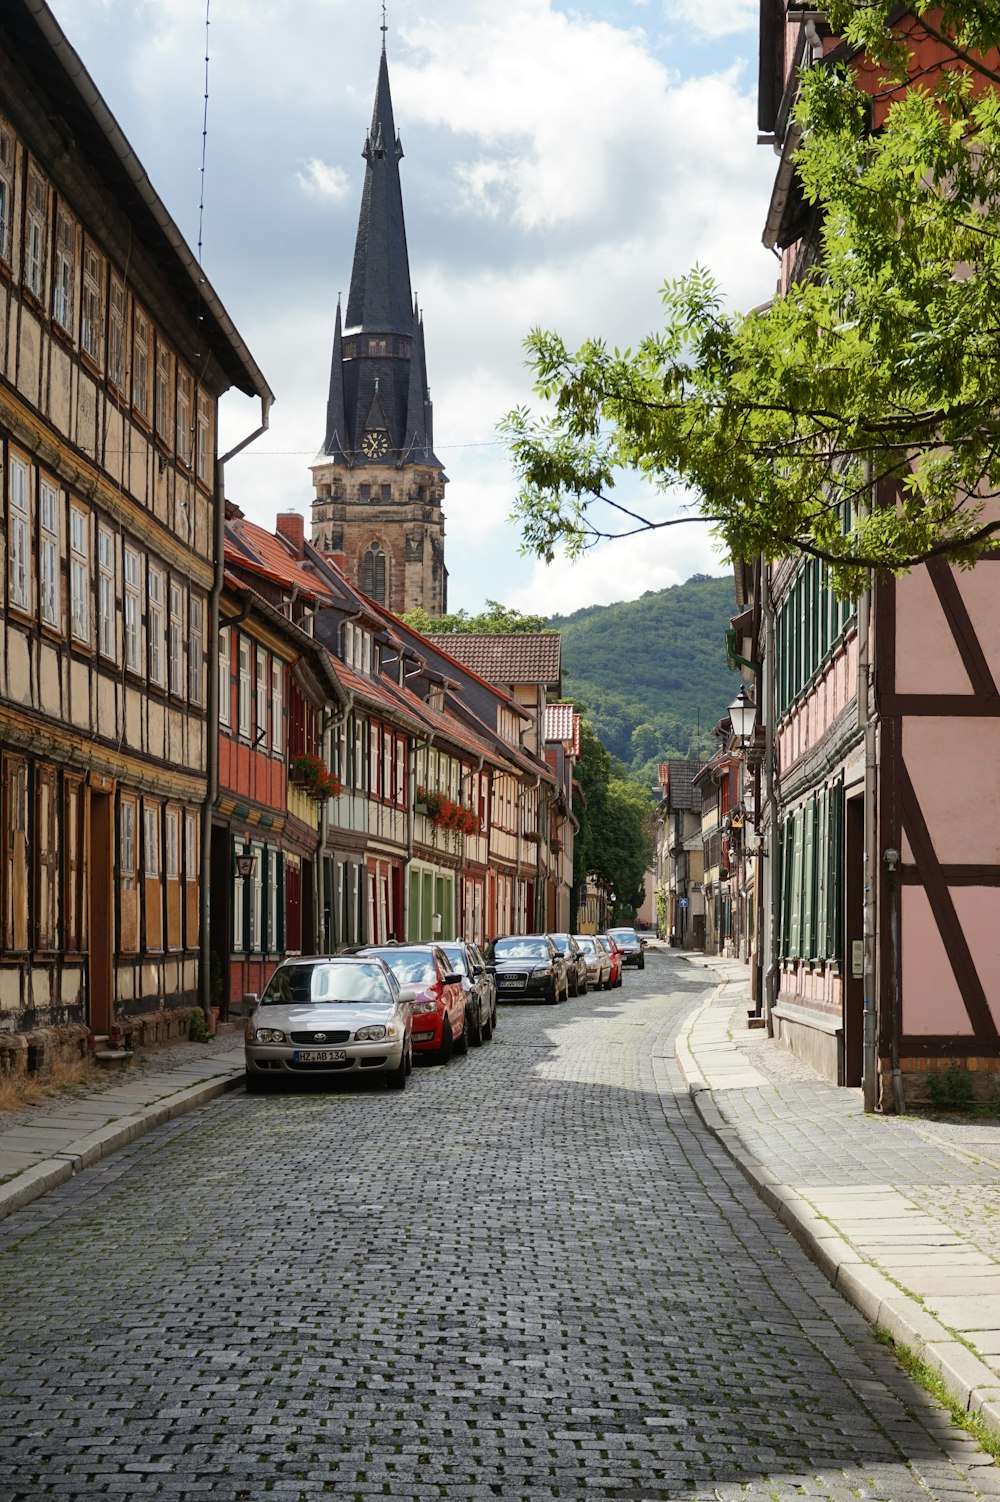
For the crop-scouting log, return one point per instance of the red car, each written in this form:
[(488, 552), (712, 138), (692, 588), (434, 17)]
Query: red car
[(439, 1022), (616, 957)]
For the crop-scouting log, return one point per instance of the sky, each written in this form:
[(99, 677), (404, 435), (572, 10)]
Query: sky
[(562, 162)]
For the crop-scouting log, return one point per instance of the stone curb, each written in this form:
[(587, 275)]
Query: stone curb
[(967, 1379), (33, 1182)]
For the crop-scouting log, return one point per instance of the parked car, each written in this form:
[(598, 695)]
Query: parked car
[(440, 1025), (323, 1018), (615, 956), (598, 962), (631, 946), (479, 986), (576, 962), (528, 966)]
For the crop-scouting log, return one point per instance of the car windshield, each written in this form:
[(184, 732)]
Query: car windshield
[(411, 967), (587, 944), (561, 941), (520, 949), (624, 935), (602, 943), (456, 958), (326, 983)]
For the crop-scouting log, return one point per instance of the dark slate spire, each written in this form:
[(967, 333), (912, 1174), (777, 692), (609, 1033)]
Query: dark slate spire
[(379, 406), (380, 282), (336, 424)]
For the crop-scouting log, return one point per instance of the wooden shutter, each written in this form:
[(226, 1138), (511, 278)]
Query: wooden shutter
[(15, 825), (795, 935), (809, 879), (128, 890), (822, 873), (835, 885), (46, 865)]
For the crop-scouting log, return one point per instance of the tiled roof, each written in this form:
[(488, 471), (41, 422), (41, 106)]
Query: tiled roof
[(250, 546), (562, 723), (527, 657), (680, 777)]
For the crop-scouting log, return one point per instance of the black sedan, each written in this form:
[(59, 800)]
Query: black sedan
[(528, 967)]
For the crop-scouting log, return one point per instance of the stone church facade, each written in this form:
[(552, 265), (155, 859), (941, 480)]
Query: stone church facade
[(379, 485)]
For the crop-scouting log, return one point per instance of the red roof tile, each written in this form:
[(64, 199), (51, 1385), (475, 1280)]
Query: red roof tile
[(259, 549)]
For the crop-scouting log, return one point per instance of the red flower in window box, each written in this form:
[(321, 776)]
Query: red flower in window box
[(311, 774)]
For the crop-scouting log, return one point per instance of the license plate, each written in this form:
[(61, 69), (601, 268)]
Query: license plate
[(510, 980), (320, 1055)]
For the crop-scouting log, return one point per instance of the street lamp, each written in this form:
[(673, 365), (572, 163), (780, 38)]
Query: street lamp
[(743, 716)]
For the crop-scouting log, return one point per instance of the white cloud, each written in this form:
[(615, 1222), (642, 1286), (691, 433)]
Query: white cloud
[(714, 18), (319, 179)]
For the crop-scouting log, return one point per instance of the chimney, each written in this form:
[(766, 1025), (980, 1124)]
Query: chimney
[(292, 527)]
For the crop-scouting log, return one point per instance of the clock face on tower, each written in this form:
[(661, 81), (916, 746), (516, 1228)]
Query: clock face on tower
[(375, 444)]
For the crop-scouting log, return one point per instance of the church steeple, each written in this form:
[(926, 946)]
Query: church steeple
[(379, 484)]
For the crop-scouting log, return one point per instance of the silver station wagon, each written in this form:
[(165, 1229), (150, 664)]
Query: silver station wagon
[(325, 1018)]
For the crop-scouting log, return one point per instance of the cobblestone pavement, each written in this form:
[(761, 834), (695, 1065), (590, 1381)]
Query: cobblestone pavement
[(532, 1275)]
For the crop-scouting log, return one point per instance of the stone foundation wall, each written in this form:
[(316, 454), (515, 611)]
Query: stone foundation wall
[(36, 1052)]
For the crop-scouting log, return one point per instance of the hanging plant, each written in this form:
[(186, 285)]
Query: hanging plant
[(312, 775), (447, 814)]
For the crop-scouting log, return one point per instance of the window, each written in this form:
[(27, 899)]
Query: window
[(48, 515), (176, 638), (164, 394), (154, 626), (225, 682), (79, 573), (277, 705), (118, 336), (92, 311), (36, 235), (47, 862), (152, 904), (74, 914), (254, 935), (19, 540), (141, 365), (206, 450), (64, 280), (244, 687), (239, 904), (185, 387), (192, 877), (262, 696), (196, 649), (172, 872), (15, 855), (6, 192), (128, 906), (373, 573), (106, 593), (133, 610)]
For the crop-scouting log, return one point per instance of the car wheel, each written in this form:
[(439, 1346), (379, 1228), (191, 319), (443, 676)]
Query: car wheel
[(462, 1041), (409, 1059), (258, 1084), (486, 1031), (582, 990), (395, 1079), (642, 962), (445, 1051), (474, 1028)]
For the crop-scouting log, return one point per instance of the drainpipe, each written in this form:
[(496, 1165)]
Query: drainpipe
[(867, 724), (772, 874), (212, 710)]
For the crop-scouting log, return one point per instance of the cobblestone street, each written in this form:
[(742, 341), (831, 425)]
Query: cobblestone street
[(532, 1275)]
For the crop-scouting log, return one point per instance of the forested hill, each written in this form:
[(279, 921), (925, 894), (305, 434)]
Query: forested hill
[(652, 672)]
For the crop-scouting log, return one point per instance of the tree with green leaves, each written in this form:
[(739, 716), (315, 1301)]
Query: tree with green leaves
[(854, 418), (614, 845), (495, 620)]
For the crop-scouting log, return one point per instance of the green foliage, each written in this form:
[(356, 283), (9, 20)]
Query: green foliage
[(495, 620), (652, 672), (615, 840), (198, 1027), (873, 377), (950, 1089)]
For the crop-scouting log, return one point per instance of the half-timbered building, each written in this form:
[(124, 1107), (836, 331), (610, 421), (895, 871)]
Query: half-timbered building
[(114, 352)]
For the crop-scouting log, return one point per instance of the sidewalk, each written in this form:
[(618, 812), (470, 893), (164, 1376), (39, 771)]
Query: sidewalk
[(44, 1145), (900, 1213)]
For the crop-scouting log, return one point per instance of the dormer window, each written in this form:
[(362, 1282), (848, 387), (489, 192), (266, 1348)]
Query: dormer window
[(377, 347)]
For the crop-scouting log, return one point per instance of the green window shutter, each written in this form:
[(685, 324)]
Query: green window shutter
[(822, 871), (809, 880), (795, 936), (835, 887), (265, 904)]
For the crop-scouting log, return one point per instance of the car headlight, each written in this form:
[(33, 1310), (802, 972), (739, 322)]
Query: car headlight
[(268, 1035), (421, 1007), (372, 1034), (541, 970)]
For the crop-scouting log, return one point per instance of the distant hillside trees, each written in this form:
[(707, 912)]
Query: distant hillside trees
[(615, 841), (495, 620)]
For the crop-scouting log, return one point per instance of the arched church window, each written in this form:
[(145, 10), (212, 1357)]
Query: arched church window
[(373, 573)]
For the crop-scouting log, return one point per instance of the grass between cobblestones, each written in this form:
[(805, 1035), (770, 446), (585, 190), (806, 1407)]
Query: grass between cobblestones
[(932, 1383)]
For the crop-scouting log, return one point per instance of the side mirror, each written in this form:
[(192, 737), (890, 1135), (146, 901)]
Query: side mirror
[(454, 979), (408, 993)]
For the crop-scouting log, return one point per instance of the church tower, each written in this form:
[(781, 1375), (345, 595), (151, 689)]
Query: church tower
[(379, 485)]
